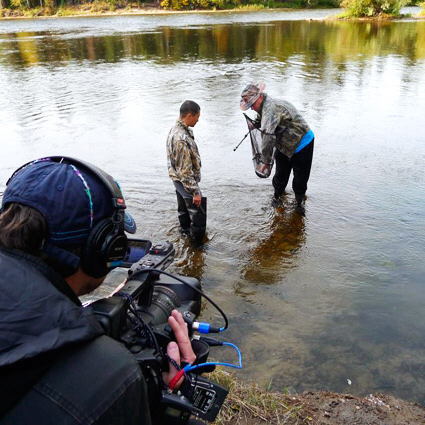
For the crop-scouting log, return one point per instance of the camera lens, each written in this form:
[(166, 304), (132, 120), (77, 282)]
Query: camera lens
[(164, 301)]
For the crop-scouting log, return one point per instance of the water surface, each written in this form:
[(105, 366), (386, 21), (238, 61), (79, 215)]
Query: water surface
[(312, 301)]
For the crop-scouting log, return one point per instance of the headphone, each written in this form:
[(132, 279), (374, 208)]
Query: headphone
[(106, 245)]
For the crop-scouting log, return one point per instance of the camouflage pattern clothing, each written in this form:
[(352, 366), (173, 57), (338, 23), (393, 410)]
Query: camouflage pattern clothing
[(282, 126), (184, 162)]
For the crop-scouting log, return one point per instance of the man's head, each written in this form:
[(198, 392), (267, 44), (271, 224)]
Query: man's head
[(189, 113), (66, 211), (252, 97)]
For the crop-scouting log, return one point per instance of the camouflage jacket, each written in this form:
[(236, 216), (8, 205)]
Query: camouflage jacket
[(282, 126), (184, 162)]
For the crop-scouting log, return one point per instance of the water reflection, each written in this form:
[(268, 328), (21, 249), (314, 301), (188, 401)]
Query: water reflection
[(231, 42), (190, 258), (276, 253)]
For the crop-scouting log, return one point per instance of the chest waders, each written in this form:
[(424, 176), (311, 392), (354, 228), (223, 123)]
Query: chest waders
[(193, 220)]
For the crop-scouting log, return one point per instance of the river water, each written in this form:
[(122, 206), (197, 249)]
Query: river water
[(313, 301)]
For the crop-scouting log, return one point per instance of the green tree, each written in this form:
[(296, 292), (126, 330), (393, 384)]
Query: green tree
[(370, 8)]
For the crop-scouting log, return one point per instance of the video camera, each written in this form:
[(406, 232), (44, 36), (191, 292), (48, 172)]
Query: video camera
[(136, 315)]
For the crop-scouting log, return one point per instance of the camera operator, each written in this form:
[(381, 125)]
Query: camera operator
[(62, 229)]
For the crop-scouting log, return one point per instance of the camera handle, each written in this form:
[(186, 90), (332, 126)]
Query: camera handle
[(207, 399)]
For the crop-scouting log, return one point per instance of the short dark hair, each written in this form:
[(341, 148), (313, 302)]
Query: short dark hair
[(189, 107), (22, 227)]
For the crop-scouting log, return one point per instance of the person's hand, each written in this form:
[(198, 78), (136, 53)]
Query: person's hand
[(197, 200), (254, 124), (180, 351), (264, 169)]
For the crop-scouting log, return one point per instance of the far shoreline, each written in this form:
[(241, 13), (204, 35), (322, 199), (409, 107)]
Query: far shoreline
[(80, 12), (148, 11)]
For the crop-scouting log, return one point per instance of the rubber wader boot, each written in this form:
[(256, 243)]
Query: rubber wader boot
[(183, 214), (184, 223), (300, 209), (199, 221), (276, 202), (197, 234), (277, 199)]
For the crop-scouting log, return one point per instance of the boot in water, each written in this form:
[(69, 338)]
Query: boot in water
[(277, 200), (300, 209)]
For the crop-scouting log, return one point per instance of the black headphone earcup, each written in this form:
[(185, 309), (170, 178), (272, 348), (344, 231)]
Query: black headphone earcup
[(105, 245), (92, 261)]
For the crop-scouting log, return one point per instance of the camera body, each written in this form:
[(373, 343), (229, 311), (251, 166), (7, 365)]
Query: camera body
[(137, 316)]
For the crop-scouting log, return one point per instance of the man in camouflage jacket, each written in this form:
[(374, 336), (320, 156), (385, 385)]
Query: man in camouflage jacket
[(184, 169), (286, 136)]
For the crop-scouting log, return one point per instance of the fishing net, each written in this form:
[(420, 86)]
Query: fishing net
[(261, 169)]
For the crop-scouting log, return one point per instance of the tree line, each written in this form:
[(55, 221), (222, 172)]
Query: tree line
[(353, 8), (167, 4)]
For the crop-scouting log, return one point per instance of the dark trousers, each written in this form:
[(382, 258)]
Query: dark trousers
[(98, 383), (300, 164), (192, 220)]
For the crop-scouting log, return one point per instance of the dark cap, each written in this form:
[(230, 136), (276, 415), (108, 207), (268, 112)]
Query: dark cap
[(71, 199)]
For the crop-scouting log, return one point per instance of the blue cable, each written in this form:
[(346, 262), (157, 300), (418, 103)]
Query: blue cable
[(236, 366), (206, 328)]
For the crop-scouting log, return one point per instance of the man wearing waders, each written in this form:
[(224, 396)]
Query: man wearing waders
[(287, 136), (184, 168)]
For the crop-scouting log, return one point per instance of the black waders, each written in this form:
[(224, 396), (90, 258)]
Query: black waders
[(193, 220)]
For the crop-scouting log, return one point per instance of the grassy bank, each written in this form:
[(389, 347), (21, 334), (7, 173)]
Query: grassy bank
[(248, 404)]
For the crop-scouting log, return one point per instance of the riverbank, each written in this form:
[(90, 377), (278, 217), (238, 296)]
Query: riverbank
[(248, 404), (103, 8)]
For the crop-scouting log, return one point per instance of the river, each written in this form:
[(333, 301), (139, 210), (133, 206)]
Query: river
[(315, 302)]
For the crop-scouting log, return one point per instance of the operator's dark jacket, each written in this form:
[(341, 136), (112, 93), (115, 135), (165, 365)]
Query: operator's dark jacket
[(42, 322)]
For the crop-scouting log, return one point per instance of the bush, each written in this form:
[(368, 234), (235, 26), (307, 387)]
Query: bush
[(19, 4), (369, 8), (174, 4)]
